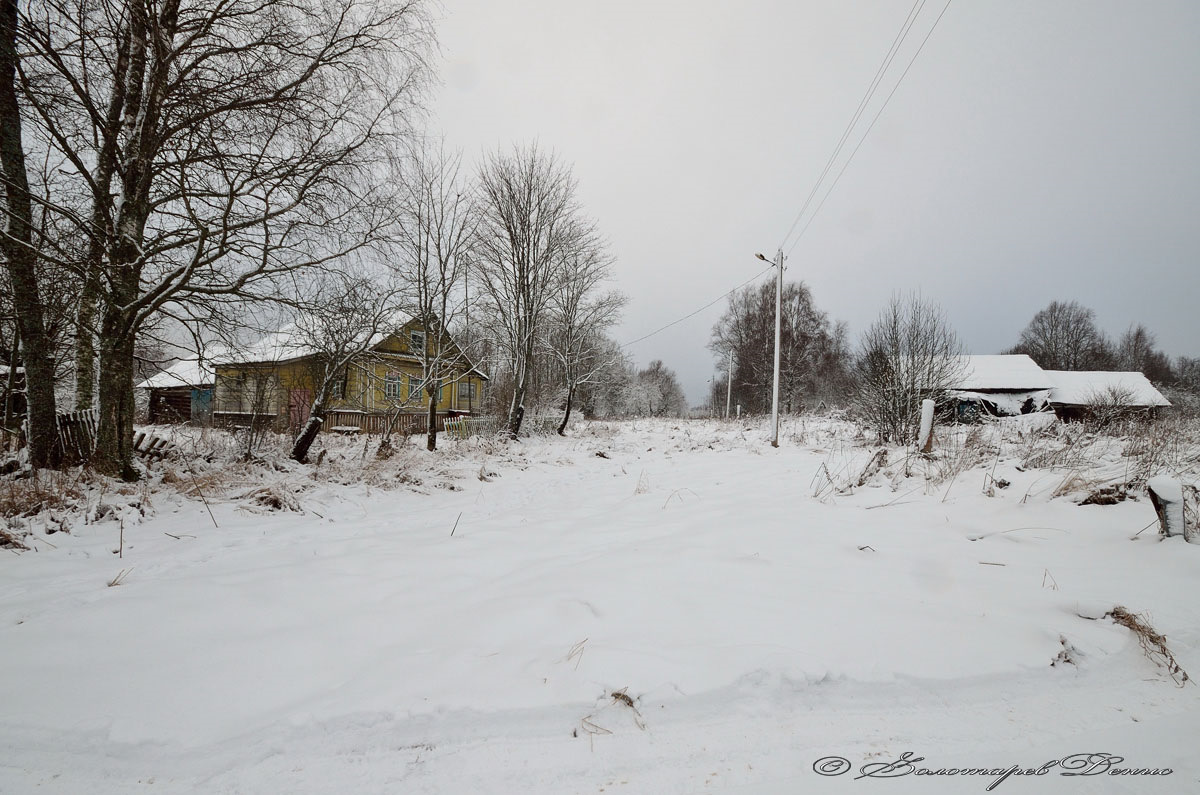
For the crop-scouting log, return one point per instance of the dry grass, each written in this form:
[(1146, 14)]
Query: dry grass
[(120, 578), (45, 490), (270, 498), (1170, 444), (10, 540), (1154, 644)]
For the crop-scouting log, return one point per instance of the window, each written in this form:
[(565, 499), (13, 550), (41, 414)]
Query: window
[(391, 386), (415, 385), (338, 388), (466, 391), (416, 341)]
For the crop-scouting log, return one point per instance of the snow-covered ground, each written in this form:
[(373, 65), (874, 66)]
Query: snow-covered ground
[(643, 607)]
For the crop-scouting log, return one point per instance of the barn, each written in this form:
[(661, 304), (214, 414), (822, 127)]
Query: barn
[(1000, 385), (1083, 393)]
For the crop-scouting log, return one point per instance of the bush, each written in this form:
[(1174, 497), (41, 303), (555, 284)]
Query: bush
[(908, 355)]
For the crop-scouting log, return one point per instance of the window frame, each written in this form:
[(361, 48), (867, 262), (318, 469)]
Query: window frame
[(392, 382), (413, 344)]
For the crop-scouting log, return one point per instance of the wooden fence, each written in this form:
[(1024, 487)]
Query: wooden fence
[(377, 422), (465, 427), (77, 433), (77, 437)]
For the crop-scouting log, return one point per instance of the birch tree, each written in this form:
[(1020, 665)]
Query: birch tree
[(222, 147), (813, 359), (530, 224), (580, 314), (438, 225)]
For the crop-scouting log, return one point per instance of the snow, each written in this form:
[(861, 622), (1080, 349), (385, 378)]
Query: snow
[(1002, 371), (1080, 388), (1170, 494), (1009, 403), (757, 620), (186, 372), (294, 342)]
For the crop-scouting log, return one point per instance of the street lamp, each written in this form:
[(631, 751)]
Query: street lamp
[(778, 319)]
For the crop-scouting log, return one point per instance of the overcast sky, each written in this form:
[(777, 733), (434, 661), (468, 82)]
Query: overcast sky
[(1037, 150)]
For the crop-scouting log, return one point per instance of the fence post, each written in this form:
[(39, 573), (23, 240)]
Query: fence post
[(925, 438)]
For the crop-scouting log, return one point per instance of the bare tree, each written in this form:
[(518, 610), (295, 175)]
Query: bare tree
[(530, 224), (1187, 369), (909, 354), (1064, 336), (813, 356), (1137, 352), (350, 315), (579, 316), (437, 232), (20, 255), (609, 393), (222, 147), (656, 392)]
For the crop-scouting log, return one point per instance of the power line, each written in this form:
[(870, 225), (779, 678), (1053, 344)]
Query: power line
[(897, 42), (701, 309), (871, 126)]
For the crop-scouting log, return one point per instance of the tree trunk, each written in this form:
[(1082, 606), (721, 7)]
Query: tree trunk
[(516, 411), (11, 381), (85, 343), (1166, 495), (431, 435), (21, 257), (89, 296), (114, 435), (562, 428), (307, 436), (316, 418), (149, 64)]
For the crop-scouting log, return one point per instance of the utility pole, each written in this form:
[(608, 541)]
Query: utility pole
[(729, 384), (778, 323), (778, 263)]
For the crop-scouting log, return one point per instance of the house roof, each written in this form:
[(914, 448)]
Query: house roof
[(292, 342), (187, 372), (1015, 372), (1079, 388)]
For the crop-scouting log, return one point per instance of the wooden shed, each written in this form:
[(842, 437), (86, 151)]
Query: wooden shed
[(181, 393)]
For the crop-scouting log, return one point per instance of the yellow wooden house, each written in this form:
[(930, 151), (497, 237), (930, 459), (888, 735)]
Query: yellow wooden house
[(273, 382)]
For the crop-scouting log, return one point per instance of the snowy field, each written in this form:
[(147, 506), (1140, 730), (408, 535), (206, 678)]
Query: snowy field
[(644, 607)]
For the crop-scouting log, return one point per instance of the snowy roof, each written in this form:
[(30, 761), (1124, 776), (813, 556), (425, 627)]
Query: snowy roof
[(1005, 371), (188, 372), (293, 342), (1079, 388)]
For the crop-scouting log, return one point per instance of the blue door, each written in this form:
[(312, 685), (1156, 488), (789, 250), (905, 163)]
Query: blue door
[(202, 406)]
